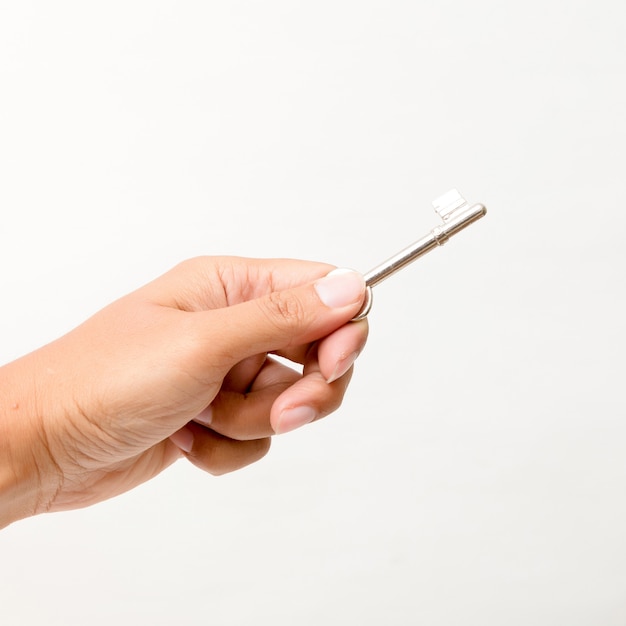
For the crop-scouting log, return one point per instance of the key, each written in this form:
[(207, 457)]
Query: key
[(456, 215)]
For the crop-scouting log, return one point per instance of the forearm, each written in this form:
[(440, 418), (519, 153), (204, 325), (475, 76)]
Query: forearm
[(22, 485)]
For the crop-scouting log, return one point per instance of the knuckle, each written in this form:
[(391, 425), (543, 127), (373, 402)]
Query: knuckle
[(285, 310)]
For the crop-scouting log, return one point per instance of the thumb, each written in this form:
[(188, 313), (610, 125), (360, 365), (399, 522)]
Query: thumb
[(283, 319)]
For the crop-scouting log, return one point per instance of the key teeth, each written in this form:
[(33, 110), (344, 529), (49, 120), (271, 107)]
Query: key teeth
[(448, 203)]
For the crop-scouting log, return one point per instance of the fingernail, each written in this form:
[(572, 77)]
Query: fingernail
[(206, 417), (341, 287), (290, 419), (183, 439), (343, 365)]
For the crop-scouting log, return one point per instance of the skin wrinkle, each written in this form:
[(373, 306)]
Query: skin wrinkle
[(224, 278), (291, 312), (42, 502), (15, 479), (81, 492), (100, 441), (45, 441), (105, 444), (209, 281)]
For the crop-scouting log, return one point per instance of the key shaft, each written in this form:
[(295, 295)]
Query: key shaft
[(437, 237), (456, 214)]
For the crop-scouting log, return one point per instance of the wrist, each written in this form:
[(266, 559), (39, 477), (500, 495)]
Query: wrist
[(23, 472)]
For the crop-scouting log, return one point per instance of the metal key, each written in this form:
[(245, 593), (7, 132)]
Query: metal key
[(456, 214)]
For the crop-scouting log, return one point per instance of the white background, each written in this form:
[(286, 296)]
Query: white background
[(476, 472)]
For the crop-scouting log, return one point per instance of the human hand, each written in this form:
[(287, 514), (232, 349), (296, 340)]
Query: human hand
[(179, 367)]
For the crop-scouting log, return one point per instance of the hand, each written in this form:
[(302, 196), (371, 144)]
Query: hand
[(181, 366)]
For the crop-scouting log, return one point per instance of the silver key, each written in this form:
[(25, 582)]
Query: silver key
[(456, 214)]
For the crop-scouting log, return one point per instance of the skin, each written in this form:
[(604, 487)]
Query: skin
[(181, 367)]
